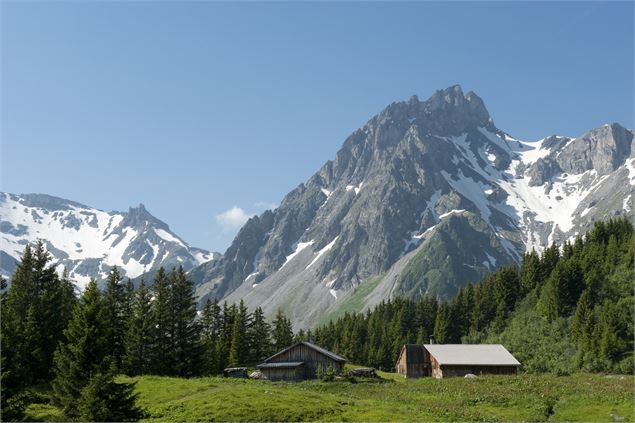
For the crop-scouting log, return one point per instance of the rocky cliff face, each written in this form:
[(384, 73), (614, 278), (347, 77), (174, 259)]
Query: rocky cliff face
[(425, 197), (87, 241)]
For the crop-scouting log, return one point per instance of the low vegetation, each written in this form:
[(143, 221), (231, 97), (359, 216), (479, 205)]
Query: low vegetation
[(579, 397), (569, 309), (566, 311)]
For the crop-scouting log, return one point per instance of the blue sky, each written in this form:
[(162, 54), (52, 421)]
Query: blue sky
[(207, 112)]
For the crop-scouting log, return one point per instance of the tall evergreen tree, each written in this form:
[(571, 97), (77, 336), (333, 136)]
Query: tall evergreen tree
[(187, 350), (104, 400), (442, 324), (259, 337), (611, 344), (35, 311), (239, 349), (530, 272), (210, 323), (162, 345), (140, 335), (117, 312), (282, 331), (85, 352)]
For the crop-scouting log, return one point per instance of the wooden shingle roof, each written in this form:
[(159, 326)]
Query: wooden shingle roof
[(319, 349)]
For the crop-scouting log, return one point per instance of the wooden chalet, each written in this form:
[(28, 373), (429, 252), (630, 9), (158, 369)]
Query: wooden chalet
[(300, 361), (445, 360), (412, 361)]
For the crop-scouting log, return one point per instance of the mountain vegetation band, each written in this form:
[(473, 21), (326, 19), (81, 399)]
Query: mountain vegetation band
[(565, 310)]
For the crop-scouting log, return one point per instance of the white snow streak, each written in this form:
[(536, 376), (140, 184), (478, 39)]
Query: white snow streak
[(322, 252)]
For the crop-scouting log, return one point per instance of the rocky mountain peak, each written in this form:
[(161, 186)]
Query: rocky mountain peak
[(603, 149), (450, 112), (139, 216)]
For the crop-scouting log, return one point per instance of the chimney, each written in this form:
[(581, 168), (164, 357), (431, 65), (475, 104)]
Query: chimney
[(431, 339)]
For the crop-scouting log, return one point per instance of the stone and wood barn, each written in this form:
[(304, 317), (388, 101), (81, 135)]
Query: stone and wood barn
[(444, 360), (300, 361)]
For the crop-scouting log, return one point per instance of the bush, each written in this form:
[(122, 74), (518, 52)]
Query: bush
[(627, 365)]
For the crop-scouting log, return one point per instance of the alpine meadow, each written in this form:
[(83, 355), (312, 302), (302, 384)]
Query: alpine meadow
[(432, 265)]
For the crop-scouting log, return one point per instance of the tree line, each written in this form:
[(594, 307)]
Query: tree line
[(567, 309), (79, 344)]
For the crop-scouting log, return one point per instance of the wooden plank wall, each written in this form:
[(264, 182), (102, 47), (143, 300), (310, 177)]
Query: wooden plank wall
[(312, 360)]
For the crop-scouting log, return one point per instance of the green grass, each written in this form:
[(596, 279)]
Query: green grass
[(580, 397), (354, 302)]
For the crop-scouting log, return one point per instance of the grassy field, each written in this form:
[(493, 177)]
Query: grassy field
[(579, 397)]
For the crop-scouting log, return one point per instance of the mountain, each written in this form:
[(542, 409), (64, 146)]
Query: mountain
[(425, 197), (87, 241)]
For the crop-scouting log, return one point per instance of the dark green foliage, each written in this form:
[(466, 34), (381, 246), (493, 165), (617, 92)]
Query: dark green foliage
[(186, 348), (211, 325), (104, 400), (239, 349), (557, 312), (162, 316), (140, 335), (442, 324), (282, 331), (85, 352), (35, 311), (175, 347), (259, 337), (117, 315)]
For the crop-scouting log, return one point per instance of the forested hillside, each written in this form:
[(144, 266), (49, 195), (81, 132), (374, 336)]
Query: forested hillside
[(569, 309)]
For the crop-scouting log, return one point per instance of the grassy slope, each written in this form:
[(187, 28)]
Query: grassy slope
[(354, 303), (580, 397)]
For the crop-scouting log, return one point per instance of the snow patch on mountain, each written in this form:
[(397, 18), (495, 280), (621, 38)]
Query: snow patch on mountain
[(323, 251), (299, 247), (88, 242)]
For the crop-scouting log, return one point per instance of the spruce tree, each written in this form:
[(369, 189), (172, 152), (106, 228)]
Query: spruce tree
[(117, 312), (140, 335), (442, 324), (187, 351), (259, 337), (161, 353), (104, 400), (611, 344), (210, 325), (530, 272), (85, 352), (239, 349), (583, 323), (282, 331), (35, 311)]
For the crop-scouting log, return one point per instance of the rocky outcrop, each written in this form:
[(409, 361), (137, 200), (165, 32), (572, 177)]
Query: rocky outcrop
[(603, 149)]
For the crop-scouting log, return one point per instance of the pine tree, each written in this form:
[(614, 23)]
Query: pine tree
[(187, 350), (140, 335), (259, 337), (282, 331), (583, 322), (239, 350), (35, 311), (116, 303), (562, 290), (84, 354), (442, 324), (104, 400), (225, 338), (611, 344), (161, 353), (530, 272), (210, 324)]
